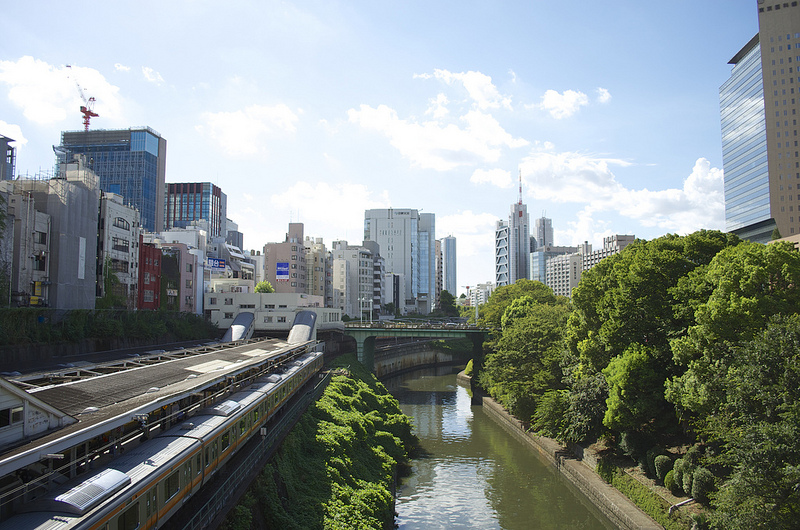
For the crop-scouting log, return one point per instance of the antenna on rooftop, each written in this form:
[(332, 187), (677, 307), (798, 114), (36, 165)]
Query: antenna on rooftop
[(520, 186)]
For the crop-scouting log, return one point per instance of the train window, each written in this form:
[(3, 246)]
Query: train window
[(129, 520), (172, 485), (214, 450), (199, 463), (226, 440), (208, 455), (242, 425)]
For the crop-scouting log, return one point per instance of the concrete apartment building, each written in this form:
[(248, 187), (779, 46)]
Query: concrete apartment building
[(540, 256), (562, 273), (129, 162), (407, 241), (25, 254), (759, 104), (285, 262), (118, 238), (319, 270), (354, 279)]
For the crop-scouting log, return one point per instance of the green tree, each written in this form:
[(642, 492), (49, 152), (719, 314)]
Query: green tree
[(492, 311), (635, 390), (748, 284), (448, 303), (757, 427), (776, 234), (111, 285), (264, 287), (526, 361)]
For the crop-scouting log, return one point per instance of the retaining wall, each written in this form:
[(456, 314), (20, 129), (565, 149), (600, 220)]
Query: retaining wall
[(617, 507)]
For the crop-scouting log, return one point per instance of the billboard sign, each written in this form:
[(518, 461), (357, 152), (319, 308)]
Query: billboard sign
[(282, 271), (215, 263)]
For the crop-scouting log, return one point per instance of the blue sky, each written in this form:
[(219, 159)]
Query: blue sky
[(315, 111)]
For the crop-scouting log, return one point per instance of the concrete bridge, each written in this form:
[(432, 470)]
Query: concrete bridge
[(365, 334)]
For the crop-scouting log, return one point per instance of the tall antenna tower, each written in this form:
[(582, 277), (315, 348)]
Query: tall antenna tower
[(520, 186)]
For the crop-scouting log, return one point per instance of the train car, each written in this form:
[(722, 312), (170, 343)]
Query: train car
[(146, 485)]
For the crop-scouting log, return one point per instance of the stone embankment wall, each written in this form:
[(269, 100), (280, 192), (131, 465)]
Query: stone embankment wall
[(614, 505), (398, 359)]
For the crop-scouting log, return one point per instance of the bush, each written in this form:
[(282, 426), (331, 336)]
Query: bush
[(663, 465), (678, 469), (669, 481), (468, 369), (551, 412), (634, 444), (651, 456), (702, 484), (687, 480), (606, 469)]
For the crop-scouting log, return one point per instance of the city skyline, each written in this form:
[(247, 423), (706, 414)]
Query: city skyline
[(319, 113)]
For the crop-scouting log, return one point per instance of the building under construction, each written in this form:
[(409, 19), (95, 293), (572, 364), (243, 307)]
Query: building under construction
[(55, 237), (129, 162)]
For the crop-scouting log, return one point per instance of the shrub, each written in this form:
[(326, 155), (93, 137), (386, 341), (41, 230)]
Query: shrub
[(633, 444), (606, 469), (550, 416), (687, 480), (702, 484), (663, 465), (693, 455), (678, 469), (468, 369), (651, 456), (669, 481)]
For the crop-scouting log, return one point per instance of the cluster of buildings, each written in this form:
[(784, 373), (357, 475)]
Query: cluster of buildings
[(106, 229), (522, 251)]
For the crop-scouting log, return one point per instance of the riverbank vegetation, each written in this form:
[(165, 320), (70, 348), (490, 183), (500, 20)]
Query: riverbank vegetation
[(678, 342), (337, 467), (43, 325)]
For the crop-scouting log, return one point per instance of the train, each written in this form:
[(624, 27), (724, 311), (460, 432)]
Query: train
[(146, 485)]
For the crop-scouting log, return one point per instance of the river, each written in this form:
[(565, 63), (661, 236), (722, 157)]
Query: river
[(474, 473)]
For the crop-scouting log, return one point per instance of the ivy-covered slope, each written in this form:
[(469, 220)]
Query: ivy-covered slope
[(336, 468)]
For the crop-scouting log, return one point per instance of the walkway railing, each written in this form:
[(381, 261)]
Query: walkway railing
[(255, 460)]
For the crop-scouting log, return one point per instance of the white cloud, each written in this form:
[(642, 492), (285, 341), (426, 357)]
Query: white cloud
[(438, 107), (434, 145), (48, 94), (121, 67), (9, 130), (603, 95), (587, 180), (479, 87), (151, 75), (563, 105), (327, 210), (242, 132), (499, 177)]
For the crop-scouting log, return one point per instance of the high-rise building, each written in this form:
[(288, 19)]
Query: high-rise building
[(129, 162), (449, 280), (543, 233), (501, 250), (513, 245), (189, 202), (407, 241), (758, 110)]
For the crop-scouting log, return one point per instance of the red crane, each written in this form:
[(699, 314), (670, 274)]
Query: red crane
[(86, 108)]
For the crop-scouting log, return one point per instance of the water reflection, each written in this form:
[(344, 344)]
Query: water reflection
[(476, 474)]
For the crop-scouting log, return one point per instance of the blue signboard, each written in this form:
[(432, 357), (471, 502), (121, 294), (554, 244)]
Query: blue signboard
[(215, 263), (282, 271)]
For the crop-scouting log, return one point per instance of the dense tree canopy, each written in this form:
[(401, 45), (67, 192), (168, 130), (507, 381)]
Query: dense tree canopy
[(447, 303), (264, 287)]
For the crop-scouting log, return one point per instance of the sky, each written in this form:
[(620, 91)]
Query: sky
[(314, 111)]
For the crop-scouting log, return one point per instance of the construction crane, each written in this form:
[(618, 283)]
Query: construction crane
[(86, 108)]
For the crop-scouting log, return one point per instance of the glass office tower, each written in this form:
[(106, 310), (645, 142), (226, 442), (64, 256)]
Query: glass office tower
[(129, 162)]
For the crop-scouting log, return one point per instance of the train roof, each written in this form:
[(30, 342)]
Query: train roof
[(107, 401)]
